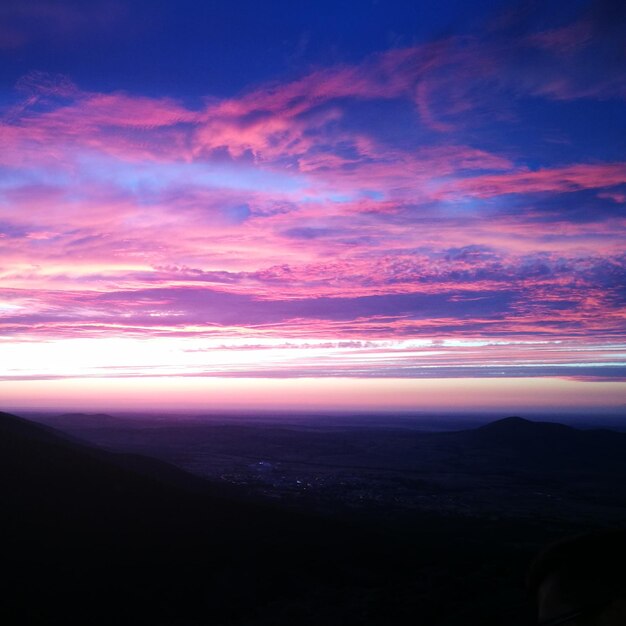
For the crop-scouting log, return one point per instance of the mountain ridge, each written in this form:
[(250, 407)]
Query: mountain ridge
[(86, 539)]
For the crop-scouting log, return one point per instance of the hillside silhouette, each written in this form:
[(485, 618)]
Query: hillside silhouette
[(93, 536), (88, 539), (547, 446)]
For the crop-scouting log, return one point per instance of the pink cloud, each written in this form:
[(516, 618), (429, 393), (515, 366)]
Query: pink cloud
[(560, 179)]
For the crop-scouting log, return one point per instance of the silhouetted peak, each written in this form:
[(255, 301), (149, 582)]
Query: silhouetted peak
[(520, 427), (519, 431), (9, 421), (513, 419), (14, 426), (82, 420), (87, 416), (512, 423), (8, 416)]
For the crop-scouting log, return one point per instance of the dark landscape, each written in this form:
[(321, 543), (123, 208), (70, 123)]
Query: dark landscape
[(111, 520)]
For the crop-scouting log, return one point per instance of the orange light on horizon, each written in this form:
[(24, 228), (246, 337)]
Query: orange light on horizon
[(311, 394)]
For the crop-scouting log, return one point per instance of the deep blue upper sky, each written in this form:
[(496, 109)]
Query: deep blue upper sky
[(190, 48)]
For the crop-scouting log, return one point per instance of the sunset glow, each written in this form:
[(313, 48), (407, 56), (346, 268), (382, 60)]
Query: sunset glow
[(434, 223)]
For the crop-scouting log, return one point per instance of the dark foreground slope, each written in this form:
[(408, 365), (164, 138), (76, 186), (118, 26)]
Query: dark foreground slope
[(93, 537), (86, 539)]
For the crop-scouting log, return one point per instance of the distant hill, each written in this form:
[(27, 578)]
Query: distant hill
[(545, 446), (88, 416), (83, 420), (518, 427)]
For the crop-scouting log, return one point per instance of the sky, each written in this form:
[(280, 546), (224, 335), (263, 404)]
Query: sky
[(319, 205)]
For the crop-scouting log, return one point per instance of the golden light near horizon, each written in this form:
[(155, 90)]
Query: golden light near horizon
[(270, 372), (209, 394)]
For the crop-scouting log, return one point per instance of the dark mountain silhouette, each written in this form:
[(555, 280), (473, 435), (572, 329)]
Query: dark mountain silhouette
[(89, 539), (24, 433), (90, 417), (85, 420), (98, 537), (518, 429), (546, 446), (518, 425)]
